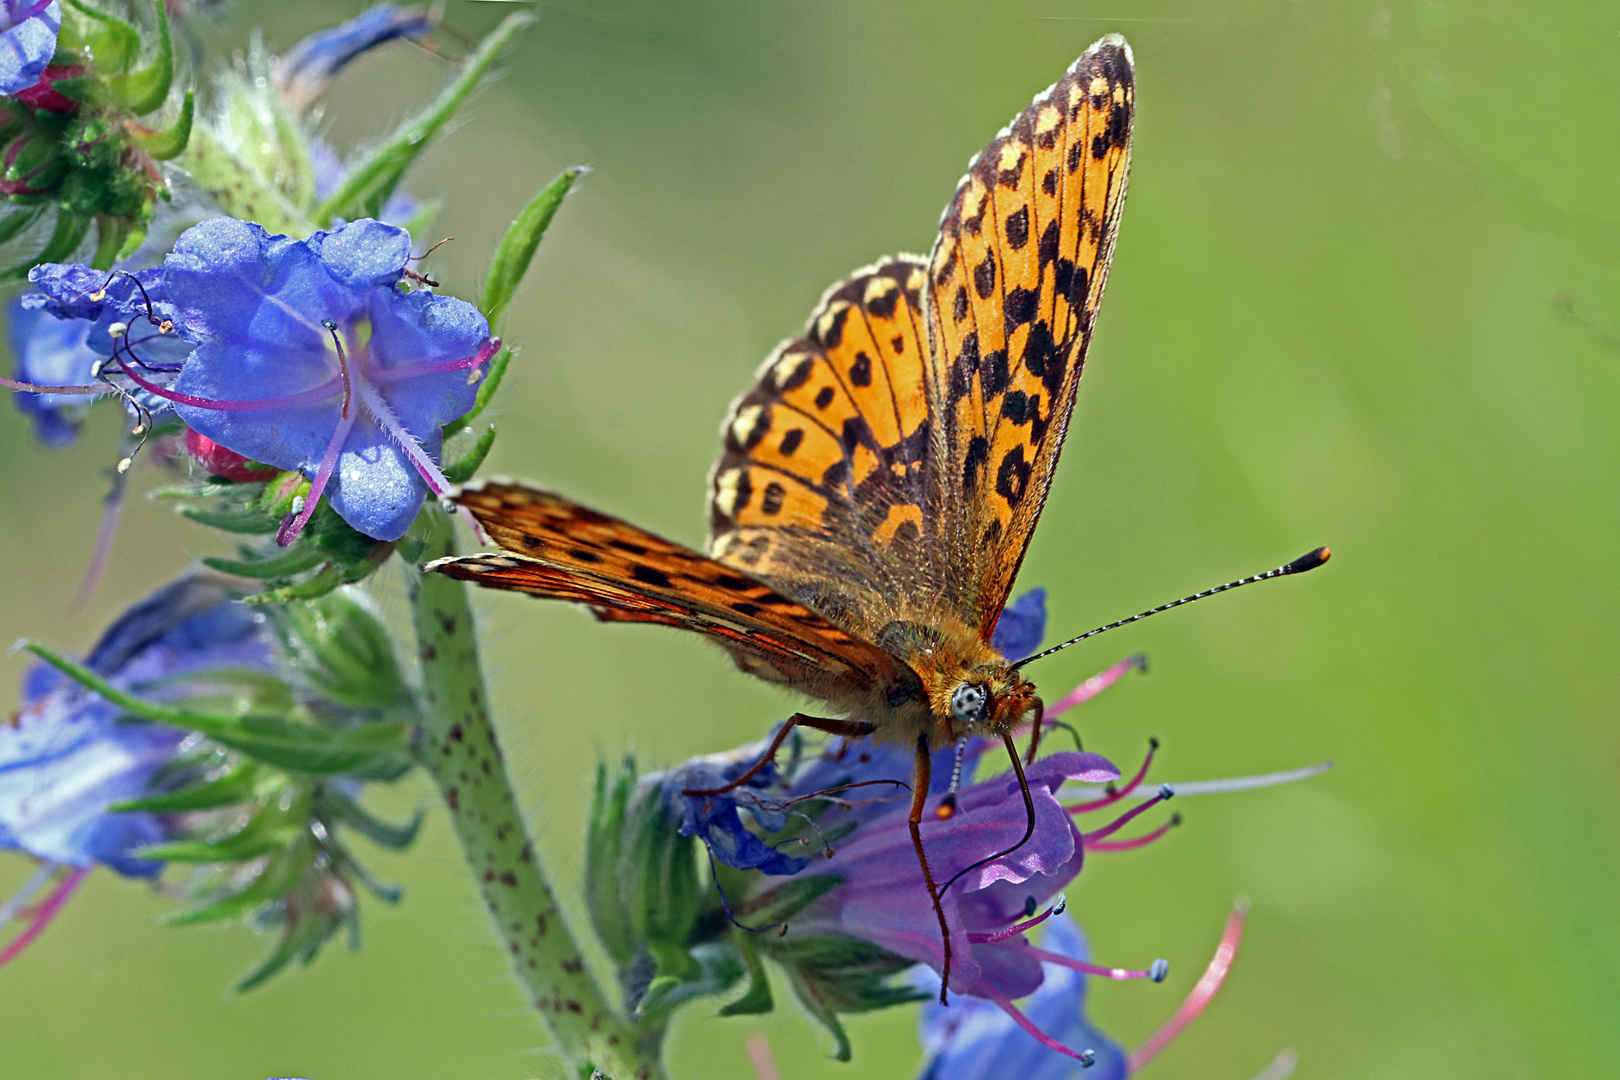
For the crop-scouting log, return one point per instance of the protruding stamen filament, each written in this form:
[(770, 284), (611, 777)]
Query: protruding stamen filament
[(1165, 793), (1086, 1057), (1156, 971), (947, 806), (1020, 927), (343, 365), (46, 912), (1098, 683), (284, 401), (1199, 999), (1115, 796), (1138, 842)]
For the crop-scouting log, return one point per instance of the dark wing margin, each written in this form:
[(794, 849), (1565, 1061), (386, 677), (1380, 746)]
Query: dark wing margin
[(560, 550), (1015, 280)]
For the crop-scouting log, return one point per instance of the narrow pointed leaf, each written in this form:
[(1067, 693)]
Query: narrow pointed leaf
[(464, 469), (293, 562), (234, 787), (394, 837), (164, 145), (371, 181), (113, 42), (517, 247), (144, 90), (758, 998), (235, 521)]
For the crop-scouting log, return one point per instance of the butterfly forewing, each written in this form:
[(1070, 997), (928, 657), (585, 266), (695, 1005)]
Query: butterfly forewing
[(821, 486), (564, 551), (1013, 288)]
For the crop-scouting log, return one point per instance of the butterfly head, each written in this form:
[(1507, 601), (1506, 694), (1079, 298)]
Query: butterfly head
[(994, 700)]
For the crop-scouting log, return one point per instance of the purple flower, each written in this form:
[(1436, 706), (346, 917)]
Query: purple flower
[(28, 30), (974, 1039), (1022, 625), (67, 755), (51, 351), (312, 358), (305, 69)]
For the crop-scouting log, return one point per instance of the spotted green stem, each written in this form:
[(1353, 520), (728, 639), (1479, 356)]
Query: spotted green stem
[(457, 745)]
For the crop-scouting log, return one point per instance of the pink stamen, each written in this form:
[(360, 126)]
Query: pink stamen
[(1199, 999), (1097, 684), (1138, 842), (1091, 969), (47, 912), (1114, 797), (379, 410), (434, 367), (1165, 792), (1084, 1056), (330, 388), (1017, 928), (36, 388), (112, 511), (294, 525), (759, 1056)]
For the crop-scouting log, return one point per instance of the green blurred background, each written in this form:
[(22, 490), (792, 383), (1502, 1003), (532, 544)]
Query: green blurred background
[(1365, 295)]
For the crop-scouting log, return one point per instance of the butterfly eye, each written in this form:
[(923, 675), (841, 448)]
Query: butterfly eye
[(967, 704)]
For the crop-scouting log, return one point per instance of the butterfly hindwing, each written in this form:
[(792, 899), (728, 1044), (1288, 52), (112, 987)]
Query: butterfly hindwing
[(1015, 279), (560, 550)]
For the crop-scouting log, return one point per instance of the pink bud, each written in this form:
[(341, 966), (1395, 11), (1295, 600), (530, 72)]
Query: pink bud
[(44, 95), (222, 462)]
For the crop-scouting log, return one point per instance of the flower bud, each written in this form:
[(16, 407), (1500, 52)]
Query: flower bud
[(33, 166), (44, 94), (222, 462), (342, 649)]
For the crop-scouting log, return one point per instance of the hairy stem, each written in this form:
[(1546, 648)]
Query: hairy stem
[(457, 745)]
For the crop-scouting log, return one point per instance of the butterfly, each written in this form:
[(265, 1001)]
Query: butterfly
[(879, 484)]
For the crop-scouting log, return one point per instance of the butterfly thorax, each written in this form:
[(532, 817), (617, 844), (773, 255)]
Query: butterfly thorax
[(967, 687)]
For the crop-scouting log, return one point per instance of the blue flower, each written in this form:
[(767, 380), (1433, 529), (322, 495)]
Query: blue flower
[(976, 1039), (1022, 626), (51, 351), (68, 754), (306, 68), (312, 358), (28, 30)]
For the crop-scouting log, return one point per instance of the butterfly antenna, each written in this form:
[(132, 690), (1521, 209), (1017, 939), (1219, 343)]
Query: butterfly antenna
[(1309, 561)]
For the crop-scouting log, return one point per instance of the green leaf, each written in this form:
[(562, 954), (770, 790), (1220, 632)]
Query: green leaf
[(604, 846), (486, 391), (271, 829), (464, 469), (114, 43), (235, 521), (18, 220), (782, 902), (70, 229), (299, 747), (281, 873), (163, 145), (147, 89), (758, 998), (316, 587), (293, 562), (517, 247), (234, 787), (370, 182), (346, 811), (717, 966)]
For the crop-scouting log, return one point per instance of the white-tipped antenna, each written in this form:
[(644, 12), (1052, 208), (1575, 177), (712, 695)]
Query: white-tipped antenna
[(1309, 561)]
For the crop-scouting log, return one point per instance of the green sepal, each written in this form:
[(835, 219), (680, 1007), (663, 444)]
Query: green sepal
[(164, 145), (114, 43), (604, 845), (234, 521), (301, 942), (233, 787), (345, 811), (144, 90), (316, 587), (18, 220), (271, 829), (293, 562), (70, 229), (110, 235), (486, 391), (832, 975), (343, 650), (85, 89), (517, 247), (281, 873), (717, 966), (370, 182), (781, 902), (298, 747), (758, 998), (467, 467)]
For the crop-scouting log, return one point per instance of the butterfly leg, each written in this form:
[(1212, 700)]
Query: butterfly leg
[(922, 771), (849, 729), (1035, 732)]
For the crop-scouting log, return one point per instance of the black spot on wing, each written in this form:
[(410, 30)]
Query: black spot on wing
[(860, 372), (790, 441), (648, 575), (984, 277), (824, 397), (1012, 476), (1017, 228)]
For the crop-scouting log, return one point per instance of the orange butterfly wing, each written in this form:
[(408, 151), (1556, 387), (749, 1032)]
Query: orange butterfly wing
[(1014, 283), (560, 550), (822, 481)]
